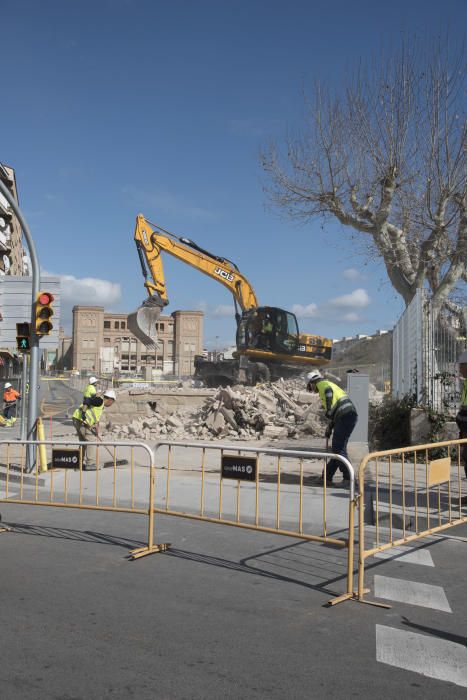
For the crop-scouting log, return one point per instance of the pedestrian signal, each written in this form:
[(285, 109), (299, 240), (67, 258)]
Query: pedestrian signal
[(44, 313), (23, 337)]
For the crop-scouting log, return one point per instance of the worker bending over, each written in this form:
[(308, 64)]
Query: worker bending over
[(86, 422), (342, 416), (461, 418)]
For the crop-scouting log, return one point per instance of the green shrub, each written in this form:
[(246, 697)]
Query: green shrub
[(389, 423)]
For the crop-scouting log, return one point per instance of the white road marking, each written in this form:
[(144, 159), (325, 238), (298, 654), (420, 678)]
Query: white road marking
[(408, 555), (429, 656), (412, 593)]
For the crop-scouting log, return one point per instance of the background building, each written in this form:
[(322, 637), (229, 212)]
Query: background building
[(16, 287), (102, 343), (13, 258)]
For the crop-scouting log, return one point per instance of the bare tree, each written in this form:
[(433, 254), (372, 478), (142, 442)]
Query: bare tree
[(387, 158)]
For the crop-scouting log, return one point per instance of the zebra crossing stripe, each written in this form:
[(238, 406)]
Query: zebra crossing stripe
[(429, 656), (408, 555), (412, 593)]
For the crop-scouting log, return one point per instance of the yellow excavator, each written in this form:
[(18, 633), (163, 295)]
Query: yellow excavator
[(269, 343)]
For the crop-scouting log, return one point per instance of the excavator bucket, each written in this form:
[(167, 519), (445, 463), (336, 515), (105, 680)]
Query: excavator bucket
[(143, 322)]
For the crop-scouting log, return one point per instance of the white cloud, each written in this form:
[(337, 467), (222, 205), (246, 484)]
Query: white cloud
[(223, 310), (351, 274), (357, 299), (87, 291), (352, 317), (308, 311)]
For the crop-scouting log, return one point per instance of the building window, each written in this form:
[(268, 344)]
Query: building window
[(106, 324), (123, 325), (106, 340), (161, 327), (117, 324)]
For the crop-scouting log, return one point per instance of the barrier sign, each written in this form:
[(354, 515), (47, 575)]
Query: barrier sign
[(236, 467), (65, 458)]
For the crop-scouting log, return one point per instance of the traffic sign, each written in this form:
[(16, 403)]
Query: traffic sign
[(237, 467), (23, 344), (23, 336)]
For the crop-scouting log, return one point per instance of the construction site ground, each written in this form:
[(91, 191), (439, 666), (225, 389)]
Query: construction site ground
[(224, 612)]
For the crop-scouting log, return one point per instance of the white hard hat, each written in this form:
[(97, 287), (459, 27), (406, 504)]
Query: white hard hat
[(462, 359), (110, 394), (93, 380), (7, 385), (313, 376)]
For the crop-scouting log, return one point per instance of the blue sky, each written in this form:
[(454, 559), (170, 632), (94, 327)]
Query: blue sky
[(115, 107)]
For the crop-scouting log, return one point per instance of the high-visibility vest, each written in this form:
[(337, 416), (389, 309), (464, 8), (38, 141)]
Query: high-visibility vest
[(337, 394), (92, 414), (10, 395), (90, 391)]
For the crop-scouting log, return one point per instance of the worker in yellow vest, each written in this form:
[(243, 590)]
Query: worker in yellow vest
[(342, 416), (91, 389), (461, 418), (86, 421)]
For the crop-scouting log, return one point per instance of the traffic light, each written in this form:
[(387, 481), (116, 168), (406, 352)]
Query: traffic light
[(44, 313), (23, 337)]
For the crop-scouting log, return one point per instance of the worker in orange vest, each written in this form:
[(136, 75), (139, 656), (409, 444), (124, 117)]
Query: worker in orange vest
[(10, 399)]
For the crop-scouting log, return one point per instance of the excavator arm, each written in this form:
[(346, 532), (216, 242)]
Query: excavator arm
[(151, 242)]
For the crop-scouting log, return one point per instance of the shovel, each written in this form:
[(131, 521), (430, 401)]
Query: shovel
[(118, 462)]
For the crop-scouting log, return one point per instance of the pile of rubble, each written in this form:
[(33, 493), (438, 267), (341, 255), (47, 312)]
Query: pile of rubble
[(268, 411)]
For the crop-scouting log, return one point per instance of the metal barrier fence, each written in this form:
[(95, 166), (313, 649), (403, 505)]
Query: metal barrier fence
[(267, 490), (409, 493), (108, 488), (275, 496)]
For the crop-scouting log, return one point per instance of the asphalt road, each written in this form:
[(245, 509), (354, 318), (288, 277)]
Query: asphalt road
[(223, 614)]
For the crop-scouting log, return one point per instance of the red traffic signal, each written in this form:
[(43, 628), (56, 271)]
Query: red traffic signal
[(45, 298), (44, 313)]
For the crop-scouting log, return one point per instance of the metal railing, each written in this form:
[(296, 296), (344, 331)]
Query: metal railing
[(280, 499), (409, 493), (108, 488)]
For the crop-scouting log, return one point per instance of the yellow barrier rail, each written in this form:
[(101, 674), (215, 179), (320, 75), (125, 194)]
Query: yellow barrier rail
[(108, 488), (406, 494), (279, 498)]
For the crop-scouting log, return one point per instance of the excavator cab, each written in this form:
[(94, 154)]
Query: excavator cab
[(269, 329)]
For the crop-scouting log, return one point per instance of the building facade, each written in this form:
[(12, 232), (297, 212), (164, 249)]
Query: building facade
[(13, 258), (14, 268), (103, 344)]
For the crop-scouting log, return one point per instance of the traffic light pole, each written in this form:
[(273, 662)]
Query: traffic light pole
[(24, 393), (34, 353)]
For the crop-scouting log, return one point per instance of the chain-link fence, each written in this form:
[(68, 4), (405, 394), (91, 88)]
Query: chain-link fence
[(425, 354)]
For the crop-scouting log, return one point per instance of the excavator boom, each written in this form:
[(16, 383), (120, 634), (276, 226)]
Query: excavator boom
[(151, 241)]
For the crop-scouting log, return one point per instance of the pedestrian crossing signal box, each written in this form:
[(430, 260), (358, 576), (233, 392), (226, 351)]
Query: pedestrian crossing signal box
[(44, 313), (23, 337)]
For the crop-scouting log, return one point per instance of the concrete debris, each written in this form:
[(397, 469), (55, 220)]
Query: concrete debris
[(270, 411)]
